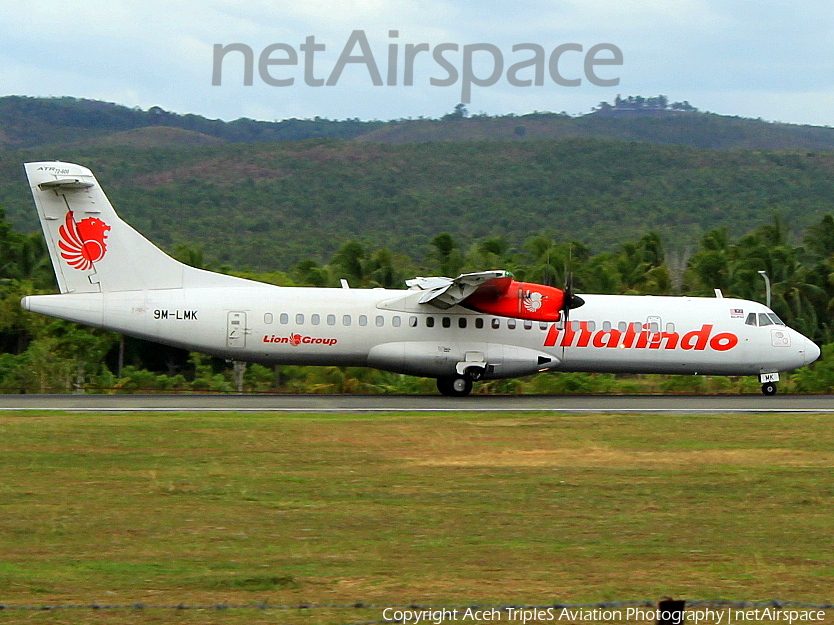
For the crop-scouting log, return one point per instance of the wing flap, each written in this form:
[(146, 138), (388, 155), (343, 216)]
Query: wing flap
[(444, 293)]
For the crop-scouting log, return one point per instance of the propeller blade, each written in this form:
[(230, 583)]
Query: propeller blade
[(568, 295), (570, 300)]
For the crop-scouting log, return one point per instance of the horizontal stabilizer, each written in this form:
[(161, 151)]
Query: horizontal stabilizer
[(92, 249), (65, 183)]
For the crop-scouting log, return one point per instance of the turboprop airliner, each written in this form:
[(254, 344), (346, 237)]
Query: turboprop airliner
[(477, 326)]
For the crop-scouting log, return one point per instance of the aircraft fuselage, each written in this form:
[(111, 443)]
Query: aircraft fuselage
[(388, 329), (482, 325)]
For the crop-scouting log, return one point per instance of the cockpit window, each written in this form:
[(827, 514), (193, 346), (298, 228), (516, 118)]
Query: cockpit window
[(776, 319), (764, 320), (751, 319)]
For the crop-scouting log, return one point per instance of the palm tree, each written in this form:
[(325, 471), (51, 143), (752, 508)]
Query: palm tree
[(348, 262)]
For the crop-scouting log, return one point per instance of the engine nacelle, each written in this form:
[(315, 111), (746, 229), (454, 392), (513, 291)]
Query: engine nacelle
[(522, 300)]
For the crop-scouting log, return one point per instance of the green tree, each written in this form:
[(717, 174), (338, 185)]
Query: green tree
[(381, 270), (711, 266), (348, 263), (446, 255), (309, 273), (641, 267), (189, 255), (819, 238)]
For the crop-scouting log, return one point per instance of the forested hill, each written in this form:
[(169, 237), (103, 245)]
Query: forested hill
[(267, 195), (270, 205), (695, 129), (30, 122)]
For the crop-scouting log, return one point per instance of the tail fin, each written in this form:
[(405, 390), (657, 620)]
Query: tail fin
[(92, 249)]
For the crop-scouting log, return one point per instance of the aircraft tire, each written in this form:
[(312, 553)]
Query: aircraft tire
[(454, 386), (769, 388)]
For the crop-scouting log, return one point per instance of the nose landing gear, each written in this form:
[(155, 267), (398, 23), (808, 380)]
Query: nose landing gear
[(769, 381), (769, 388)]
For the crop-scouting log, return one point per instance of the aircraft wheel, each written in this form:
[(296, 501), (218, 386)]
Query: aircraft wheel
[(769, 388), (456, 386)]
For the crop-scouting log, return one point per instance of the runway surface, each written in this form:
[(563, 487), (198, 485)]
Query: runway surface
[(399, 403)]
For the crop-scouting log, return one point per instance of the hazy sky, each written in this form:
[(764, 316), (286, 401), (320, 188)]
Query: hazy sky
[(762, 58)]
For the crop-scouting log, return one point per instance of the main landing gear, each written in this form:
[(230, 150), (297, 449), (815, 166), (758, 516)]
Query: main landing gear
[(454, 386), (459, 385)]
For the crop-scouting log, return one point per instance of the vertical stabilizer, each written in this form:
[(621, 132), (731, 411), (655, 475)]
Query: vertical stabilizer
[(92, 249)]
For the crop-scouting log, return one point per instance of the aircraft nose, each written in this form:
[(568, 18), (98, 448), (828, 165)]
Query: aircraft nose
[(811, 351)]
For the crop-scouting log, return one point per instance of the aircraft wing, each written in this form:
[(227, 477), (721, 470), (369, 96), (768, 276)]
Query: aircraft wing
[(444, 293)]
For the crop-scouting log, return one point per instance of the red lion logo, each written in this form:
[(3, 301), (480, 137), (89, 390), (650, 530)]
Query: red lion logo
[(82, 243), (295, 340)]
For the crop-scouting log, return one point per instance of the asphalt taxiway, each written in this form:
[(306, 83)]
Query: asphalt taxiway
[(419, 403)]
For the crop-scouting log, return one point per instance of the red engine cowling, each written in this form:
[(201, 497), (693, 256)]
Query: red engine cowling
[(522, 300)]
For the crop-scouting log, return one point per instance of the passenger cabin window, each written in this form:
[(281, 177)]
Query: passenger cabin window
[(299, 319), (284, 318), (461, 322), (429, 322), (412, 321), (315, 319), (543, 325), (363, 320), (496, 323), (267, 317), (751, 319), (346, 320), (479, 323), (511, 324), (396, 321), (447, 322), (331, 320), (379, 321), (528, 325)]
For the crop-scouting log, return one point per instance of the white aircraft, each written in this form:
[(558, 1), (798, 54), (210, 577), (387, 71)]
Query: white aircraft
[(476, 326)]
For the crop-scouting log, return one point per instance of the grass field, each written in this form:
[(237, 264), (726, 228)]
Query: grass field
[(201, 509)]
